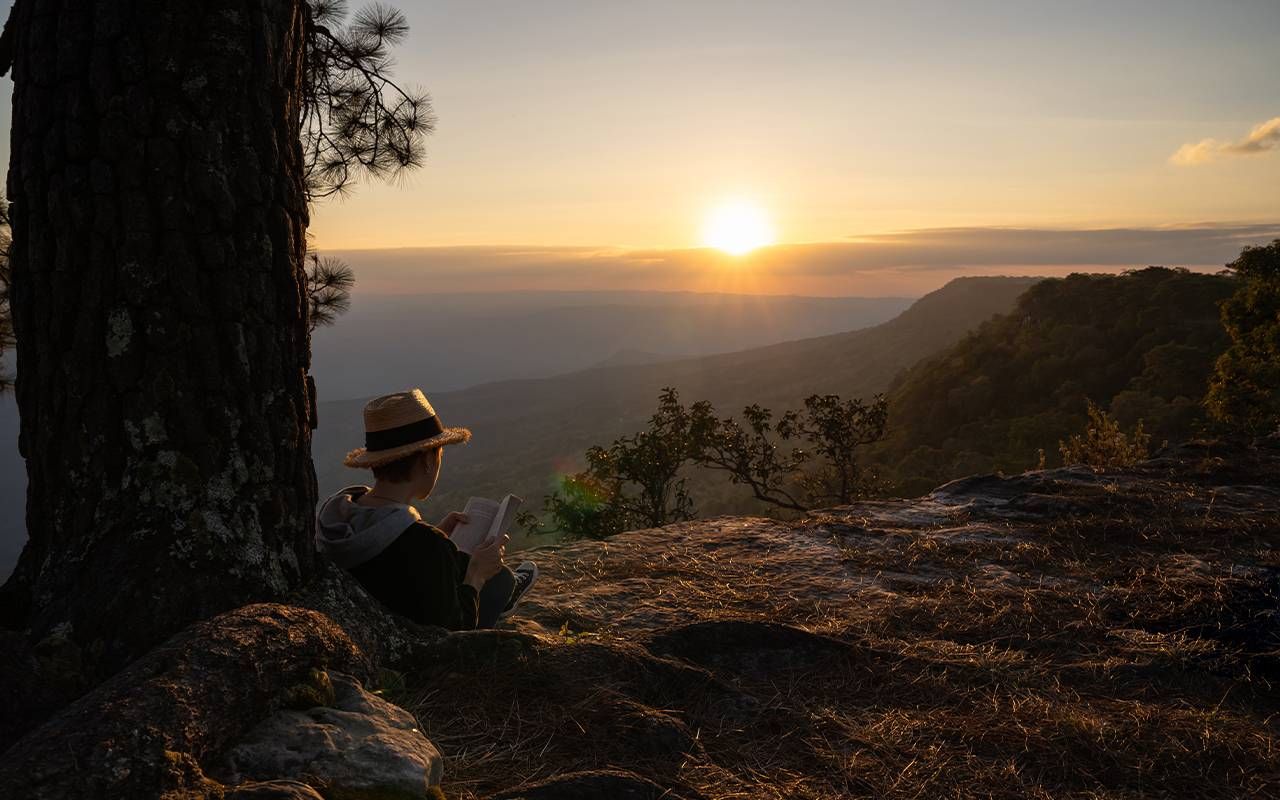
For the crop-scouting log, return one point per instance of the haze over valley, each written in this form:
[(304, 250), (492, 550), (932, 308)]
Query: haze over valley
[(448, 341)]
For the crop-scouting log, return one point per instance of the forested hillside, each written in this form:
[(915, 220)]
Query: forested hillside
[(1140, 345)]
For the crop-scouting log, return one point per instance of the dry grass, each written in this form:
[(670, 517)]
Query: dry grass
[(1128, 650)]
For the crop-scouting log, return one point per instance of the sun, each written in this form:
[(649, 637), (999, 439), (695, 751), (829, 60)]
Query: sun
[(737, 227)]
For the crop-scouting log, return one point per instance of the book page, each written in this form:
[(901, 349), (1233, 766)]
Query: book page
[(505, 516), (481, 514)]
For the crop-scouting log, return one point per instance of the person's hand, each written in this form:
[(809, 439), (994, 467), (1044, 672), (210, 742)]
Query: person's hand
[(486, 561), (451, 521)]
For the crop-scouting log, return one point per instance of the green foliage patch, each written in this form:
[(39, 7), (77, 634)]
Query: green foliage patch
[(1141, 345), (795, 461), (1245, 389)]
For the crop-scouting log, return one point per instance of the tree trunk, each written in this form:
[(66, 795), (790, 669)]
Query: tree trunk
[(158, 300)]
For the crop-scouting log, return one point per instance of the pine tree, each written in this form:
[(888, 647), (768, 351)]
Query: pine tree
[(163, 158)]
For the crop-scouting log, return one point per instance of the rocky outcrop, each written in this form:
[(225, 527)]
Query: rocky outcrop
[(1064, 632), (149, 730), (1057, 633), (250, 705)]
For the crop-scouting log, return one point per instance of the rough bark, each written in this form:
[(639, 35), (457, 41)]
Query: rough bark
[(158, 299), (147, 731)]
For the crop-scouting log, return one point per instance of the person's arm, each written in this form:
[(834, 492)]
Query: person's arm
[(444, 598)]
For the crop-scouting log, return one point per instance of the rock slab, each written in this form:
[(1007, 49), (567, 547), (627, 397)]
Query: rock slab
[(361, 746)]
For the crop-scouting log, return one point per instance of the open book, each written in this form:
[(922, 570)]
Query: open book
[(486, 520)]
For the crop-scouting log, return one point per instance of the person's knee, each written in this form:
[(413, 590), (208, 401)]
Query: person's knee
[(503, 577)]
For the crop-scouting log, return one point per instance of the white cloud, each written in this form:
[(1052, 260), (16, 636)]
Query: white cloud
[(1264, 136)]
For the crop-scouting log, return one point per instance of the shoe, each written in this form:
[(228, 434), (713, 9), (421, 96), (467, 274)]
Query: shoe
[(525, 574)]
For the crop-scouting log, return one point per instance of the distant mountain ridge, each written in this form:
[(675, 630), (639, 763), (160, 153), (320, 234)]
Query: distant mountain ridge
[(528, 431), (448, 342), (628, 357)]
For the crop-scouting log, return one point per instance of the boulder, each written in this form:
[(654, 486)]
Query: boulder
[(146, 731), (360, 746)]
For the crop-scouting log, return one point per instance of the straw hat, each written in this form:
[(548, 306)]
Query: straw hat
[(398, 425)]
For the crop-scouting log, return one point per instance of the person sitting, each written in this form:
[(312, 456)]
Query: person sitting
[(377, 535)]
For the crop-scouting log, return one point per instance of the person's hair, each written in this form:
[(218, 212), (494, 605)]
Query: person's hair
[(401, 469)]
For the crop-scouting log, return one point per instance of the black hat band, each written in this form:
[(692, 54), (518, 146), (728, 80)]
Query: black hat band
[(392, 438)]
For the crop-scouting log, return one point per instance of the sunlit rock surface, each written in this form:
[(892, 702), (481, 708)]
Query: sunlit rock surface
[(1063, 632), (356, 745)]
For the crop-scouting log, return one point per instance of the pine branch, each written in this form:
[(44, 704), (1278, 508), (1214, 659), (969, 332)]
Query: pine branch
[(357, 119), (329, 285)]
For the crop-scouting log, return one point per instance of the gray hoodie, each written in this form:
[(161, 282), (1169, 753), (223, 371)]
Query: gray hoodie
[(351, 534)]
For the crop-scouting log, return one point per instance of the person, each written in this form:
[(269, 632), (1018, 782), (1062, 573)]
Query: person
[(377, 535)]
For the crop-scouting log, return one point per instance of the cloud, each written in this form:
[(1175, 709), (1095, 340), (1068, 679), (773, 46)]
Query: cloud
[(1264, 136), (905, 263)]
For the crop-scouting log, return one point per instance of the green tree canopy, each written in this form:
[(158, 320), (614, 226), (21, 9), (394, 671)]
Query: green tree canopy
[(1141, 344), (1245, 388)]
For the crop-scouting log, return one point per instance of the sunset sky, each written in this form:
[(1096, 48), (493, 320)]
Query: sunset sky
[(578, 139)]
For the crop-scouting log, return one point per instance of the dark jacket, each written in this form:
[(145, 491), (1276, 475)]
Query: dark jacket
[(409, 566)]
